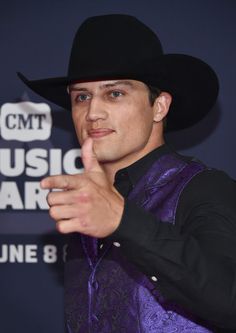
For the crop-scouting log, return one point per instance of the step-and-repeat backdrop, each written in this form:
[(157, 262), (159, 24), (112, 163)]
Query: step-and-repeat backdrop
[(37, 138)]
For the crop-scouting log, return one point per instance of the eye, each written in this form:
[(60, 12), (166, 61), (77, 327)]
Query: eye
[(116, 93), (82, 97)]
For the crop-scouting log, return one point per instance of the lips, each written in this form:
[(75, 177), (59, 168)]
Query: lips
[(100, 132)]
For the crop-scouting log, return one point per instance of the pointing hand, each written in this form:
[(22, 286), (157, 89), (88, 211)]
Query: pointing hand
[(88, 203)]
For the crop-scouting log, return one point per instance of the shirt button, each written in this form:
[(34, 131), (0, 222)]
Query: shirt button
[(154, 278), (116, 244), (101, 246)]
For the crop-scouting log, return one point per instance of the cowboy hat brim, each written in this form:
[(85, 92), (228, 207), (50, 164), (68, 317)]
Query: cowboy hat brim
[(191, 82)]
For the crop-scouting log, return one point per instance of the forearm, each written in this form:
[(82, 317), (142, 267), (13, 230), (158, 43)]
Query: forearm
[(194, 265)]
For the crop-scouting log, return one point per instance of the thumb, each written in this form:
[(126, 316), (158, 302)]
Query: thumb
[(89, 157)]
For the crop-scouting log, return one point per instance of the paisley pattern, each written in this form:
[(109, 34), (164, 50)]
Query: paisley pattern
[(104, 292)]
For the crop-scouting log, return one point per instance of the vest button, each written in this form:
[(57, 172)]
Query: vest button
[(154, 278), (116, 244)]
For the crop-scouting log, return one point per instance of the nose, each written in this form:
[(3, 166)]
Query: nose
[(96, 110)]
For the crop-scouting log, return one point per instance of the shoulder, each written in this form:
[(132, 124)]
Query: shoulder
[(209, 189), (210, 184)]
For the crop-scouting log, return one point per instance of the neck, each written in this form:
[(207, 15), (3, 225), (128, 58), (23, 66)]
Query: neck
[(111, 168)]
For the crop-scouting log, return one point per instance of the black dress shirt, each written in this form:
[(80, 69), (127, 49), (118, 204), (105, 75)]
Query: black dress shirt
[(194, 260)]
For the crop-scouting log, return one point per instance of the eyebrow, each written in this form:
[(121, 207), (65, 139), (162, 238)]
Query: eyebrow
[(102, 86)]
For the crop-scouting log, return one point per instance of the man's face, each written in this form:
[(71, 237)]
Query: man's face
[(117, 115)]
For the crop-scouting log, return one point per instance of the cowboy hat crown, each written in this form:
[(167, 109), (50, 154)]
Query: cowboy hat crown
[(119, 46)]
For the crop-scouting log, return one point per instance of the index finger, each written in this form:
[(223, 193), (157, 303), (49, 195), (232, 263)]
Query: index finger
[(63, 182)]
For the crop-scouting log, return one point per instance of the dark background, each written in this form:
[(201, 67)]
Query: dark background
[(36, 38)]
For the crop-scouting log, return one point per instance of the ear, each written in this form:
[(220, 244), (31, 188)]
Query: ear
[(161, 106)]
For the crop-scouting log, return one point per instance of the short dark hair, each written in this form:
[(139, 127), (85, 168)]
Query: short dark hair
[(154, 92)]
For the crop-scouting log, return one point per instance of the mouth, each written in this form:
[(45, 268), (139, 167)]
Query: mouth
[(100, 132)]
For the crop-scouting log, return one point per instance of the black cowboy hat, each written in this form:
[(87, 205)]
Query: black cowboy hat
[(121, 47)]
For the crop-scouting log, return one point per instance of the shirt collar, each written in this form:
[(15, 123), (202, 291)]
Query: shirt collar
[(127, 178)]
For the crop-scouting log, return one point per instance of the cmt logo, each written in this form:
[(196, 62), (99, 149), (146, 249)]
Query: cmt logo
[(25, 121)]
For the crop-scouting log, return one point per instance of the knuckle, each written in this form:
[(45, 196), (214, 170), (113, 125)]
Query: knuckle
[(65, 182), (81, 224), (53, 213), (60, 226), (83, 197)]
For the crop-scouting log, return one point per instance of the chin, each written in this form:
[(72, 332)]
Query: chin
[(106, 156)]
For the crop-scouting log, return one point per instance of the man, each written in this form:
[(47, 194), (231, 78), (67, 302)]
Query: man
[(153, 233)]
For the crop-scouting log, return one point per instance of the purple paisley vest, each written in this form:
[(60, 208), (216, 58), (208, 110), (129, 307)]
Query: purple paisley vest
[(104, 293)]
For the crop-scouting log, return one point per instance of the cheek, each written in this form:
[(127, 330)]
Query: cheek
[(78, 125), (139, 123)]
